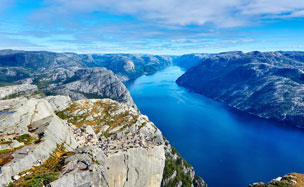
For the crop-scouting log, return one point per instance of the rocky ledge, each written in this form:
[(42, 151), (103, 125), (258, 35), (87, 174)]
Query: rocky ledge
[(269, 85), (91, 142), (289, 180)]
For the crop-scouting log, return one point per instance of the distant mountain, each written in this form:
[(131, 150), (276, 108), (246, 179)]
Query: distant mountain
[(78, 76), (39, 61), (128, 66), (266, 84), (189, 60), (125, 66)]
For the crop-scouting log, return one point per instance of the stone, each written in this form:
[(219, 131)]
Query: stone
[(17, 89), (58, 103)]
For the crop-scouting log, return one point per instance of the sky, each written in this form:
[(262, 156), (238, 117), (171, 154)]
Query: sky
[(171, 27)]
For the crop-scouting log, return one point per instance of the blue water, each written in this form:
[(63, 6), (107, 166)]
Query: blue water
[(225, 146)]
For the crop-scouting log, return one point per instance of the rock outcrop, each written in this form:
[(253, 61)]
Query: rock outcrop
[(38, 114), (289, 180), (91, 142), (88, 83), (269, 85), (17, 89)]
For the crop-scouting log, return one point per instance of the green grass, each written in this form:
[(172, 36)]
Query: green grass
[(26, 139), (5, 142), (279, 184), (45, 173), (6, 151), (177, 165), (42, 179)]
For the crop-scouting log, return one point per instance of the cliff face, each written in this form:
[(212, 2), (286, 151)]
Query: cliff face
[(269, 85), (91, 142)]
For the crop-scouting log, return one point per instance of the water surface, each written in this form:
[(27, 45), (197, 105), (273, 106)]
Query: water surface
[(225, 146)]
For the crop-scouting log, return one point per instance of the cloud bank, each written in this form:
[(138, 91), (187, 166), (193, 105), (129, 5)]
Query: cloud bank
[(222, 13), (152, 26)]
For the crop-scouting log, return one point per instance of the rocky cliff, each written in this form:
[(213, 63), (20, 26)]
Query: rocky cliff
[(91, 142), (269, 85)]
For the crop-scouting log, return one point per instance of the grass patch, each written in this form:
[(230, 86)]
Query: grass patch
[(47, 172), (177, 166), (5, 151), (7, 155), (26, 139), (5, 142)]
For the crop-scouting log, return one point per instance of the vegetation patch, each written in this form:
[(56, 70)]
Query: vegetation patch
[(279, 184), (100, 114), (7, 155), (5, 142), (177, 166), (45, 173), (26, 139)]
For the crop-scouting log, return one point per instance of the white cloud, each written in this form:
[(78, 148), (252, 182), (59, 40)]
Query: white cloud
[(223, 13)]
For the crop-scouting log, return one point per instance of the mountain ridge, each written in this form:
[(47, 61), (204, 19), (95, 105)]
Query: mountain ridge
[(266, 84)]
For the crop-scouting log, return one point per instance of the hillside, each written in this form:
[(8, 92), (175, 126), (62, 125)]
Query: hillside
[(266, 84), (25, 64)]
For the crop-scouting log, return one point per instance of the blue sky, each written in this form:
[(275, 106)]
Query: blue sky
[(152, 26)]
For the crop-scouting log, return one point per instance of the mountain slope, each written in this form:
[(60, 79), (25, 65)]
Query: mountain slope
[(128, 66), (269, 85), (189, 60), (125, 66)]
